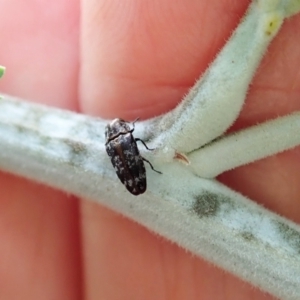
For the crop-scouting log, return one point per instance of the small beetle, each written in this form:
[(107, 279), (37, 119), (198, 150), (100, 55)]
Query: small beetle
[(123, 151)]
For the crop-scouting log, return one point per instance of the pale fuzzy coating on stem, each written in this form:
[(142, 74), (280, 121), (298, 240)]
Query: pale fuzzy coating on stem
[(66, 150), (292, 7), (246, 146), (215, 101), (287, 7)]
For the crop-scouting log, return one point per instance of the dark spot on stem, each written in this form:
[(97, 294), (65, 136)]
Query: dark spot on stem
[(248, 236), (77, 151), (290, 235), (208, 204)]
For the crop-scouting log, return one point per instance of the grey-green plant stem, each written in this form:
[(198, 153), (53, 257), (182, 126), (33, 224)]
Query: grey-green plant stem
[(254, 142), (224, 84), (66, 150)]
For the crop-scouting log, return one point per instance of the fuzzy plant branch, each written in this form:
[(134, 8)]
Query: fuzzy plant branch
[(246, 146), (67, 151), (223, 85)]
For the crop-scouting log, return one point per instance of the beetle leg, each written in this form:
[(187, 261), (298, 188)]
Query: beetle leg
[(144, 159), (137, 139)]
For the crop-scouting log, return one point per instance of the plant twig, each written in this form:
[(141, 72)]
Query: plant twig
[(66, 150)]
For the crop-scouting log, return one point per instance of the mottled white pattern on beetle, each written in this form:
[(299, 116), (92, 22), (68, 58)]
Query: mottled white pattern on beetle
[(66, 150), (129, 165)]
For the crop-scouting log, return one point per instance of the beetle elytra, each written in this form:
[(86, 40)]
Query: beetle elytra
[(123, 151)]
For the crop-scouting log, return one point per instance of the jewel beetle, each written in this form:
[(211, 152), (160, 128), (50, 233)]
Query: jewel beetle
[(121, 147)]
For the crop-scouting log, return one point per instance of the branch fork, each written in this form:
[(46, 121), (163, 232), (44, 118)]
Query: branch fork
[(185, 204)]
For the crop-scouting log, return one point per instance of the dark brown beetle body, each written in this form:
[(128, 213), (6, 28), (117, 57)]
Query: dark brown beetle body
[(123, 151)]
